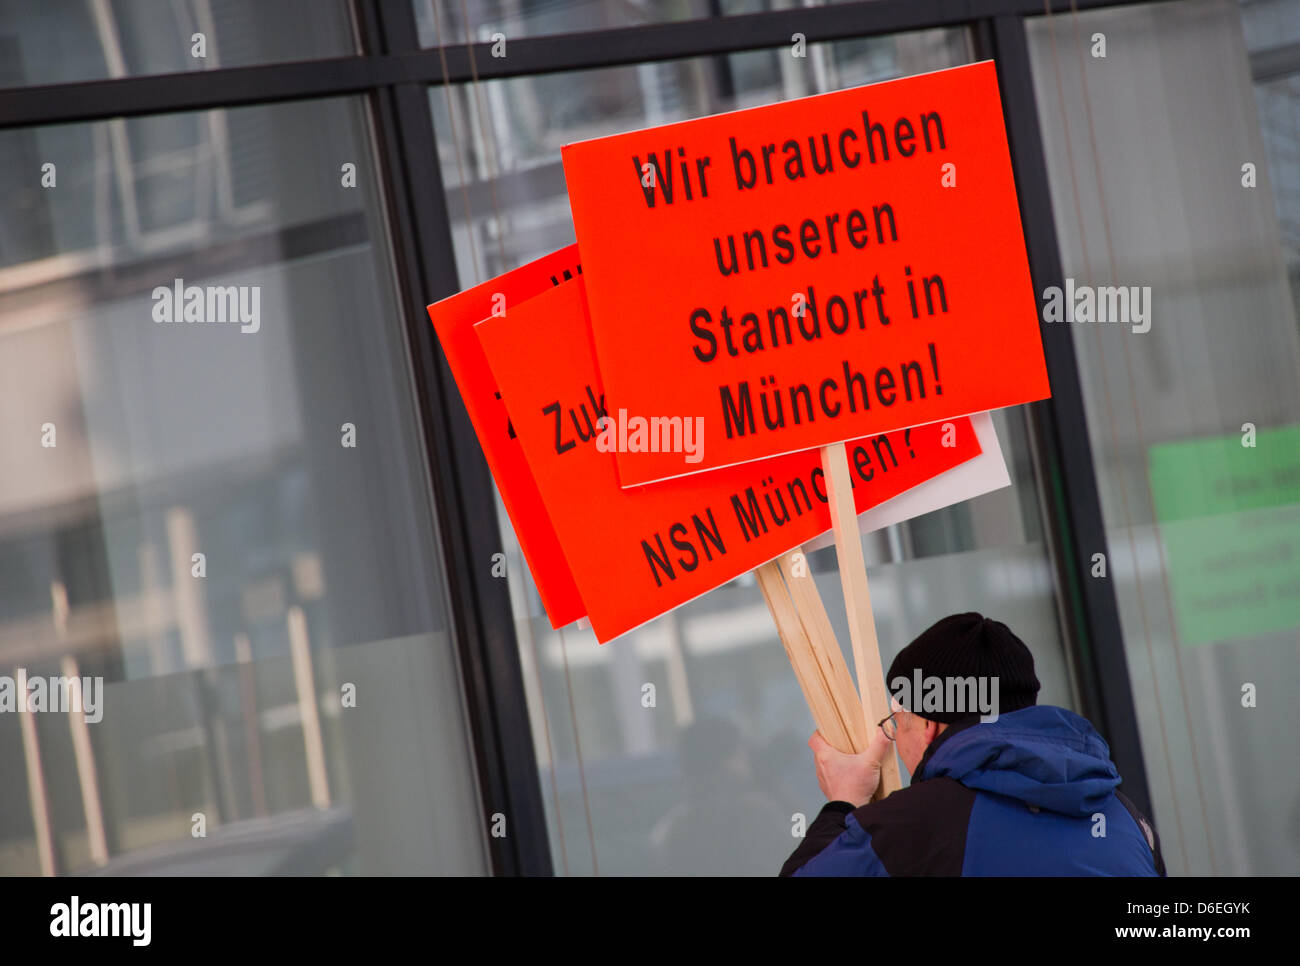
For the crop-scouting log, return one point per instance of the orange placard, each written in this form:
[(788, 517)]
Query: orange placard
[(454, 320), (810, 271), (636, 553)]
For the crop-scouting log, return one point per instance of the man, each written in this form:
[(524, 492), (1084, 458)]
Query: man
[(1014, 789)]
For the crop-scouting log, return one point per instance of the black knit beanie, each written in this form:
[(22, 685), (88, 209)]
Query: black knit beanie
[(965, 646)]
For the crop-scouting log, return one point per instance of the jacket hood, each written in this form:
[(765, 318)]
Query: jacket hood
[(1044, 756)]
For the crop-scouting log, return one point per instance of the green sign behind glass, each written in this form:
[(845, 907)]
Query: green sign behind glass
[(1229, 519)]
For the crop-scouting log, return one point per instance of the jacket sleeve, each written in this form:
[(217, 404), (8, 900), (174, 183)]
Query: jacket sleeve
[(918, 830), (1148, 831), (835, 845)]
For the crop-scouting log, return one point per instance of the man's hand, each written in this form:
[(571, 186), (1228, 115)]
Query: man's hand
[(849, 778)]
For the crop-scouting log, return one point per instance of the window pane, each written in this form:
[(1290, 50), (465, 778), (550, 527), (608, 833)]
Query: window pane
[(225, 516), (499, 142), (60, 41), (446, 23), (707, 781), (442, 22), (1152, 151)]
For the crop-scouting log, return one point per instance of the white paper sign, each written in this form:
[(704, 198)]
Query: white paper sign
[(983, 474)]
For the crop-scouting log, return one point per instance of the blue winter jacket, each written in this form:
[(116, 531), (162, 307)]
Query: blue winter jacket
[(1033, 793)]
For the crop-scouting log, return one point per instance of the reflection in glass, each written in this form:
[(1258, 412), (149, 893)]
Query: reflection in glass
[(1193, 423), (212, 497), (62, 41)]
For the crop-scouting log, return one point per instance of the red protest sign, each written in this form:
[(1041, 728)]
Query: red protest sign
[(454, 320), (811, 271), (636, 553)]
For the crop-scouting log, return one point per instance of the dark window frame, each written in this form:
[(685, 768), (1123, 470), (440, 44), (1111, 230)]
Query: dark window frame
[(394, 74)]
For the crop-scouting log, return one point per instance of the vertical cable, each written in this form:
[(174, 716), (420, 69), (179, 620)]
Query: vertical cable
[(489, 138), (546, 731), (455, 140), (1114, 434), (1141, 440), (577, 743)]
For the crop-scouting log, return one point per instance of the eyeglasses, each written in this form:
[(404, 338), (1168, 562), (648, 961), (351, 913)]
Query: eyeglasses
[(889, 726)]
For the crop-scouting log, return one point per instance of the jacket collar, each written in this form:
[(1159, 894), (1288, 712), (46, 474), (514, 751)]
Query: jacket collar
[(952, 729)]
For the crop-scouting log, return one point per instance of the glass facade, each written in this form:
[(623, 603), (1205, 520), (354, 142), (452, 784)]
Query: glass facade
[(644, 784), (60, 41), (1182, 192), (224, 514), (237, 485), (442, 23)]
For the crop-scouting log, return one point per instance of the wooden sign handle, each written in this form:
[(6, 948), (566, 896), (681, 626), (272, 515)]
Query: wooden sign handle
[(857, 602), (816, 689), (826, 649)]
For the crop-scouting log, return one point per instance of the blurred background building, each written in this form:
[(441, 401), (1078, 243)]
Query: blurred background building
[(1170, 159)]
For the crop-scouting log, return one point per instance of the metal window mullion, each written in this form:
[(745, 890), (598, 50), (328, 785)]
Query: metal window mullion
[(483, 621), (325, 77)]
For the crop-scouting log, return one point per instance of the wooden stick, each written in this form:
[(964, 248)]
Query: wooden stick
[(857, 601), (817, 625), (799, 650)]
